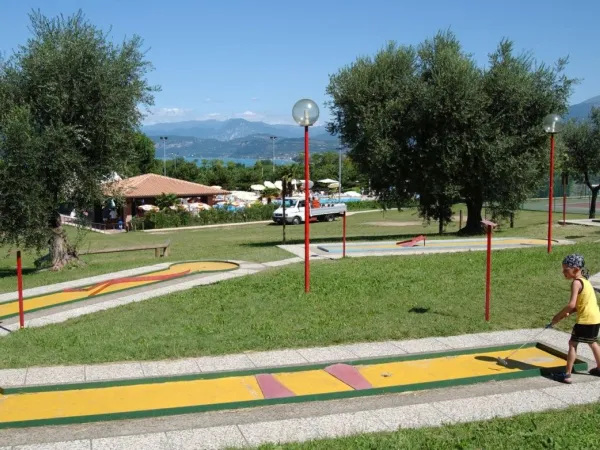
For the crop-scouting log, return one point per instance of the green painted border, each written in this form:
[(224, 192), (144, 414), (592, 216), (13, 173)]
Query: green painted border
[(579, 366), (122, 290)]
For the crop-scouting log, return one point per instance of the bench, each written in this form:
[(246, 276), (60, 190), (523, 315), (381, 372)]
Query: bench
[(160, 250)]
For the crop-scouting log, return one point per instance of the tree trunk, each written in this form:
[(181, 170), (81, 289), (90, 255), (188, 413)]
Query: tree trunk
[(441, 225), (593, 202), (60, 252), (473, 225)]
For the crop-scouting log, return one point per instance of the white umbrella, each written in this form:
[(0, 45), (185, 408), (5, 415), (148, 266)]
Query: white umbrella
[(310, 183), (334, 185), (257, 187), (279, 184), (148, 208), (269, 185), (352, 194), (327, 181)]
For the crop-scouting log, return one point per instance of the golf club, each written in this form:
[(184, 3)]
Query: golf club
[(504, 361)]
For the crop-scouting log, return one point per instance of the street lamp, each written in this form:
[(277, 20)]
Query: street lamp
[(164, 141), (552, 126), (273, 160), (306, 112)]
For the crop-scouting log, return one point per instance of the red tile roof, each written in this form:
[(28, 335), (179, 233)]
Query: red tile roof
[(153, 185)]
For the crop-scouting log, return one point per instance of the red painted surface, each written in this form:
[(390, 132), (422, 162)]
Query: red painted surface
[(349, 375), (412, 242), (306, 214), (99, 287), (271, 387), (20, 289)]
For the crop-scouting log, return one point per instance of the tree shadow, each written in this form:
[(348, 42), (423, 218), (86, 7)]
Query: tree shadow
[(419, 310), (6, 273), (574, 237), (546, 372)]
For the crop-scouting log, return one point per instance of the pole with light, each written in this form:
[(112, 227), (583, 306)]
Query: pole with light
[(273, 145), (306, 112), (552, 126), (164, 141)]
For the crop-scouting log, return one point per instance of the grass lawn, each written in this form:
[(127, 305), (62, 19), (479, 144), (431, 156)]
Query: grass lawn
[(572, 428), (248, 242), (352, 300)]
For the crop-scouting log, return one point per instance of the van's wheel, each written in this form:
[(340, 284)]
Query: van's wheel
[(330, 218), (296, 221)]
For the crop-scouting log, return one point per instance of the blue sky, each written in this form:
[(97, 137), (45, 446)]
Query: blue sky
[(254, 59)]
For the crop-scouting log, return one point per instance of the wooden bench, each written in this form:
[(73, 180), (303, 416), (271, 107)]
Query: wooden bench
[(160, 250)]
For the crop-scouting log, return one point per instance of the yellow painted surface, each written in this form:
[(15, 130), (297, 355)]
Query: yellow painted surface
[(454, 367), (311, 382), (44, 301), (48, 405), (178, 394)]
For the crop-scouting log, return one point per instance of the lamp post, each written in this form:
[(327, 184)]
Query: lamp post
[(306, 112), (164, 141), (273, 145), (552, 126)]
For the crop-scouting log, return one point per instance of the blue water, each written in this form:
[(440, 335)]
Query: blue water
[(248, 162)]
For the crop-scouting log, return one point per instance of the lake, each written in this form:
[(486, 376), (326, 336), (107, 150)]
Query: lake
[(246, 162)]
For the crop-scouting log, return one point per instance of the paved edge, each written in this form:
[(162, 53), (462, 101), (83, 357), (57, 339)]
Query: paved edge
[(436, 413)]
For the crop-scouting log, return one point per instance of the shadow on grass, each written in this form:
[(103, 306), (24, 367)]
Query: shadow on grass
[(337, 239), (5, 273), (419, 310)]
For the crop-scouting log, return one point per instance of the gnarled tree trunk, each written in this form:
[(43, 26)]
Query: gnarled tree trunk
[(61, 252), (473, 225)]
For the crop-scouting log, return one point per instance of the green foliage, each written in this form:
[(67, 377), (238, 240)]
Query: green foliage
[(165, 201), (427, 120), (69, 107), (142, 158), (172, 219), (581, 152)]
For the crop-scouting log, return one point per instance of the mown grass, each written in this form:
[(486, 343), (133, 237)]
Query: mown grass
[(573, 428), (352, 300), (257, 242)]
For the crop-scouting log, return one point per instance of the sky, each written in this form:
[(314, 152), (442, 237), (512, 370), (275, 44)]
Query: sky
[(254, 59)]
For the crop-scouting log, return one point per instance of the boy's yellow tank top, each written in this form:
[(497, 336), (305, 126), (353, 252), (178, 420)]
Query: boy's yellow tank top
[(588, 312)]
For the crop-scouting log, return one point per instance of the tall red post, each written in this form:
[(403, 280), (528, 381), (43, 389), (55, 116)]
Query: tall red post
[(565, 182), (20, 289), (551, 193), (344, 236), (306, 214), (488, 271)]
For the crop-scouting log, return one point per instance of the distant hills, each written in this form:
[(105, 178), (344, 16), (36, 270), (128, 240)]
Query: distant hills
[(582, 110), (240, 138), (236, 138)]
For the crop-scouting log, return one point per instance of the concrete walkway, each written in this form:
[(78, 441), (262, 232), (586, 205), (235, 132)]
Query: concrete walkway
[(300, 422)]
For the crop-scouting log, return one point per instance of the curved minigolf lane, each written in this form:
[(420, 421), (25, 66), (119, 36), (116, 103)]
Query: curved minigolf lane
[(178, 270), (126, 399)]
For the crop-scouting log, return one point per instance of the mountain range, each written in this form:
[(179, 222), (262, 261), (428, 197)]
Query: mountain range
[(240, 138)]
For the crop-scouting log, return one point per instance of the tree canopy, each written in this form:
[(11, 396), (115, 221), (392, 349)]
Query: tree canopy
[(580, 142), (70, 104), (427, 120)]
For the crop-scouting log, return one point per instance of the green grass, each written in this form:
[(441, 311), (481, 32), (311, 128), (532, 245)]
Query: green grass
[(572, 428), (255, 242), (352, 300)]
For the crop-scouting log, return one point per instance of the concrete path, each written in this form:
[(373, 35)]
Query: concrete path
[(301, 422)]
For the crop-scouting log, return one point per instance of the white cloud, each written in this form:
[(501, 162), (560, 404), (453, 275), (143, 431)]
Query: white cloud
[(208, 100), (249, 114), (255, 99), (214, 114)]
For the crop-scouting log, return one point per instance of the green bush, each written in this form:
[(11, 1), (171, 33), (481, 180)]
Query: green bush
[(363, 205), (173, 219)]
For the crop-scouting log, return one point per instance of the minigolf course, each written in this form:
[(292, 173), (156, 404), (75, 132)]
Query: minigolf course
[(150, 397), (178, 270)]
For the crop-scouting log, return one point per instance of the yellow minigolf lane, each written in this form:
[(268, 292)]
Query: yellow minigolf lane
[(11, 308), (73, 404)]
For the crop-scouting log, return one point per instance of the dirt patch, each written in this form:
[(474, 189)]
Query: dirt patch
[(394, 224)]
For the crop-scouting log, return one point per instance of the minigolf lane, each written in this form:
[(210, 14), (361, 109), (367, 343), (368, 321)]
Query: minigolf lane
[(178, 270), (60, 404)]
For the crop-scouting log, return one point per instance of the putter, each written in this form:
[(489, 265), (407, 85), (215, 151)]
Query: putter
[(504, 361)]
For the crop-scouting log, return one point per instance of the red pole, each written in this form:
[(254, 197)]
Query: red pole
[(564, 199), (488, 274), (20, 289), (550, 193), (306, 214), (344, 236)]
